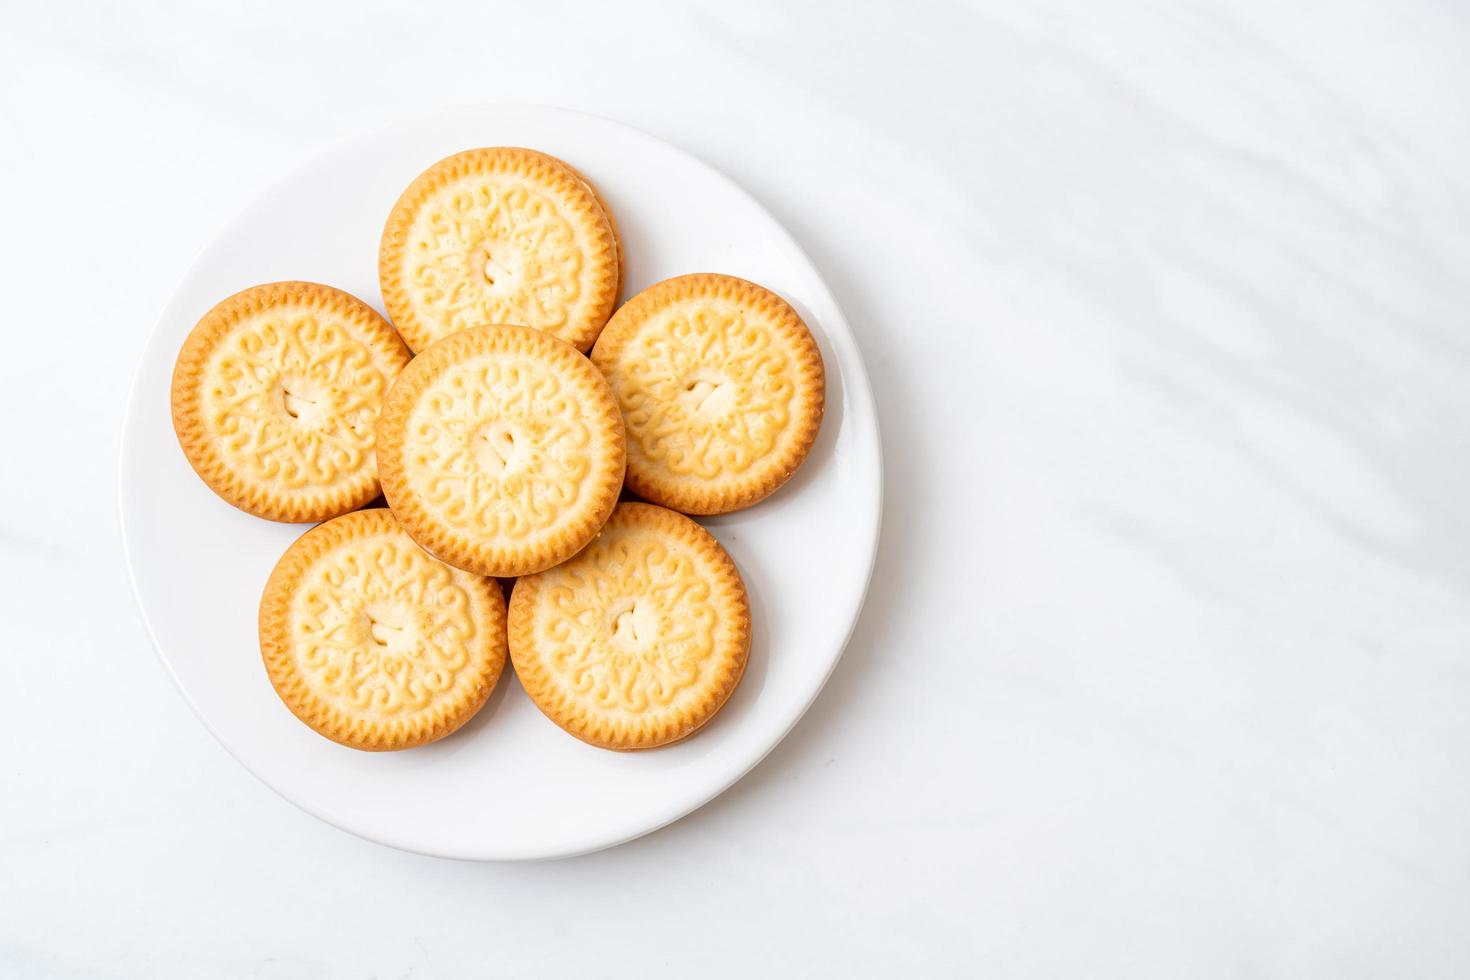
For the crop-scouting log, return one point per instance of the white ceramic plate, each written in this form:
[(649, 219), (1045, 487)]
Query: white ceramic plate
[(510, 784)]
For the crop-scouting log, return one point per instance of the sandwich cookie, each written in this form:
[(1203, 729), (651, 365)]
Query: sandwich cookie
[(275, 399), (640, 639), (374, 643), (501, 450), (499, 235), (721, 387)]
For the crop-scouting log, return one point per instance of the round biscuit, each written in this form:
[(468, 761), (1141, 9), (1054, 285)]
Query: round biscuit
[(374, 643), (499, 235), (722, 390), (275, 398), (640, 639), (501, 450)]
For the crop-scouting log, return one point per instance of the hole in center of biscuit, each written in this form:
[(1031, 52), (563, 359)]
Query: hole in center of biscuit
[(493, 271), (635, 624), (707, 393), (385, 627), (495, 445), (296, 399), (626, 628)]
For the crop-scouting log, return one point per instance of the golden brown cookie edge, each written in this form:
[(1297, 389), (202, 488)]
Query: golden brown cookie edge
[(533, 678), (192, 435), (452, 547), (274, 635), (400, 309), (806, 420)]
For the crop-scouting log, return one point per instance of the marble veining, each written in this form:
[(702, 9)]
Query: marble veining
[(1166, 663)]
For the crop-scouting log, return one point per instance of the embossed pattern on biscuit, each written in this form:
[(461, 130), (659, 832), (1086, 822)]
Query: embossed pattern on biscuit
[(500, 235), (640, 639), (721, 387), (374, 643), (612, 223), (276, 396), (499, 446), (502, 450)]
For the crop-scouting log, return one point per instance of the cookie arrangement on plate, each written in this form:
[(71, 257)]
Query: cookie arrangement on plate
[(519, 425)]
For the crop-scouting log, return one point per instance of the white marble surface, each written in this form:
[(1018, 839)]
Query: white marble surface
[(1166, 667)]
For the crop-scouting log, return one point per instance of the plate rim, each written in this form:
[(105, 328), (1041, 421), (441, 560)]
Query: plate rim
[(856, 385)]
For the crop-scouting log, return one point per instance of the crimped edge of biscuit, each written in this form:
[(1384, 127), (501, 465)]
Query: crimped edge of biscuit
[(611, 223), (196, 440), (454, 547), (606, 256), (723, 496), (734, 604), (323, 718)]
